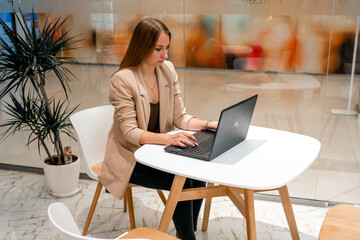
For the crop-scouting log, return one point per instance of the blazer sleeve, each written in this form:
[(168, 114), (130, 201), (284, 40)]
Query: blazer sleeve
[(122, 97)]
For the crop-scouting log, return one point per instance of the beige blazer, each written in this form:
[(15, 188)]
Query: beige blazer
[(129, 96)]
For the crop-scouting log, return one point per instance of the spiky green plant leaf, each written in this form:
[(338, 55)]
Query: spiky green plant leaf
[(29, 113), (25, 62), (20, 59)]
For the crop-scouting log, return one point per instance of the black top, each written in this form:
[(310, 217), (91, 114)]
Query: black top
[(154, 120)]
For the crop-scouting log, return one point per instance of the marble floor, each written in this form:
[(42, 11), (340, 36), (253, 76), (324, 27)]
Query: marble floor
[(24, 199)]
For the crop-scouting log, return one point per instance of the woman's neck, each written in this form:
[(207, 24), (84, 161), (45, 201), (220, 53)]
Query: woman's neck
[(147, 71), (150, 79)]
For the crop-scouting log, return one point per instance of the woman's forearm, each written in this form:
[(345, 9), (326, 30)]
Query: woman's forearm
[(196, 124), (153, 138), (180, 138)]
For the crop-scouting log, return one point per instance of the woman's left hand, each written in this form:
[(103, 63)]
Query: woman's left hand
[(213, 125)]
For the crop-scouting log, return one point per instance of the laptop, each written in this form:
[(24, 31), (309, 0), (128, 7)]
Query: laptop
[(232, 129)]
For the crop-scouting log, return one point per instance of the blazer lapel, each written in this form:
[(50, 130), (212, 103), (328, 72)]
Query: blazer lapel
[(144, 97), (164, 90)]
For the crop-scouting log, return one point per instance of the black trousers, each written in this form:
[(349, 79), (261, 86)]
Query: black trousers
[(186, 212)]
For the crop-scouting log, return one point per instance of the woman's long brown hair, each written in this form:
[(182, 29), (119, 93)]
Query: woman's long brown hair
[(143, 42)]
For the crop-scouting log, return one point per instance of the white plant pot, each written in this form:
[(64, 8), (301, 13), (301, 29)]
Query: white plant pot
[(63, 180)]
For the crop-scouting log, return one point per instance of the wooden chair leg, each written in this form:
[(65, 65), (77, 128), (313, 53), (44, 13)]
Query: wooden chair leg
[(125, 202), (92, 208), (207, 211), (161, 195), (131, 207)]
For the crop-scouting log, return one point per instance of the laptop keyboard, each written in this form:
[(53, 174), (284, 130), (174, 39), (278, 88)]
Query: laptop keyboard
[(205, 142)]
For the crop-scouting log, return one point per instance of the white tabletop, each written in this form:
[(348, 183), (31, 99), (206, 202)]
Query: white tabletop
[(267, 159)]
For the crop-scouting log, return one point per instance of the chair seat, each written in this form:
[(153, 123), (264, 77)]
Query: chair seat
[(148, 233), (97, 168), (341, 222)]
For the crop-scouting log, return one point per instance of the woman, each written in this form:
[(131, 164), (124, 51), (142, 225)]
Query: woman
[(146, 95)]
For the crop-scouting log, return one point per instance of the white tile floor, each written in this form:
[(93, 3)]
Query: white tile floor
[(24, 199)]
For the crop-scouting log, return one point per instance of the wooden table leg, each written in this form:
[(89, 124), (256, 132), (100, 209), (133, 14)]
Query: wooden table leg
[(235, 196), (250, 214), (171, 202), (207, 211), (285, 199)]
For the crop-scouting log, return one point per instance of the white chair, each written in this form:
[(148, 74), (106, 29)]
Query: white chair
[(64, 222), (92, 127)]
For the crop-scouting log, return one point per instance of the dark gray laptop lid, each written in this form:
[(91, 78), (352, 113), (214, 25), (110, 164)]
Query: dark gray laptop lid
[(233, 126)]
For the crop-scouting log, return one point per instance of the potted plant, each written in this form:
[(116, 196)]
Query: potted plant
[(25, 62)]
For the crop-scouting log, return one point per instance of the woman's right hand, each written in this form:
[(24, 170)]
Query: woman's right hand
[(181, 138)]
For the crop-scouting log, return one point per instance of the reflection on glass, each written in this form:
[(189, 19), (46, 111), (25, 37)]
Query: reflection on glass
[(107, 35), (8, 18), (223, 41)]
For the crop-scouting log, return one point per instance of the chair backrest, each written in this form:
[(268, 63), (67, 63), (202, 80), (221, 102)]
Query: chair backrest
[(64, 222), (92, 127)]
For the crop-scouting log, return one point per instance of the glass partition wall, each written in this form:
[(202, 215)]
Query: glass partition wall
[(297, 55)]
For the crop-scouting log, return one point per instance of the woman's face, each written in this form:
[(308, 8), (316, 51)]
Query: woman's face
[(160, 53)]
